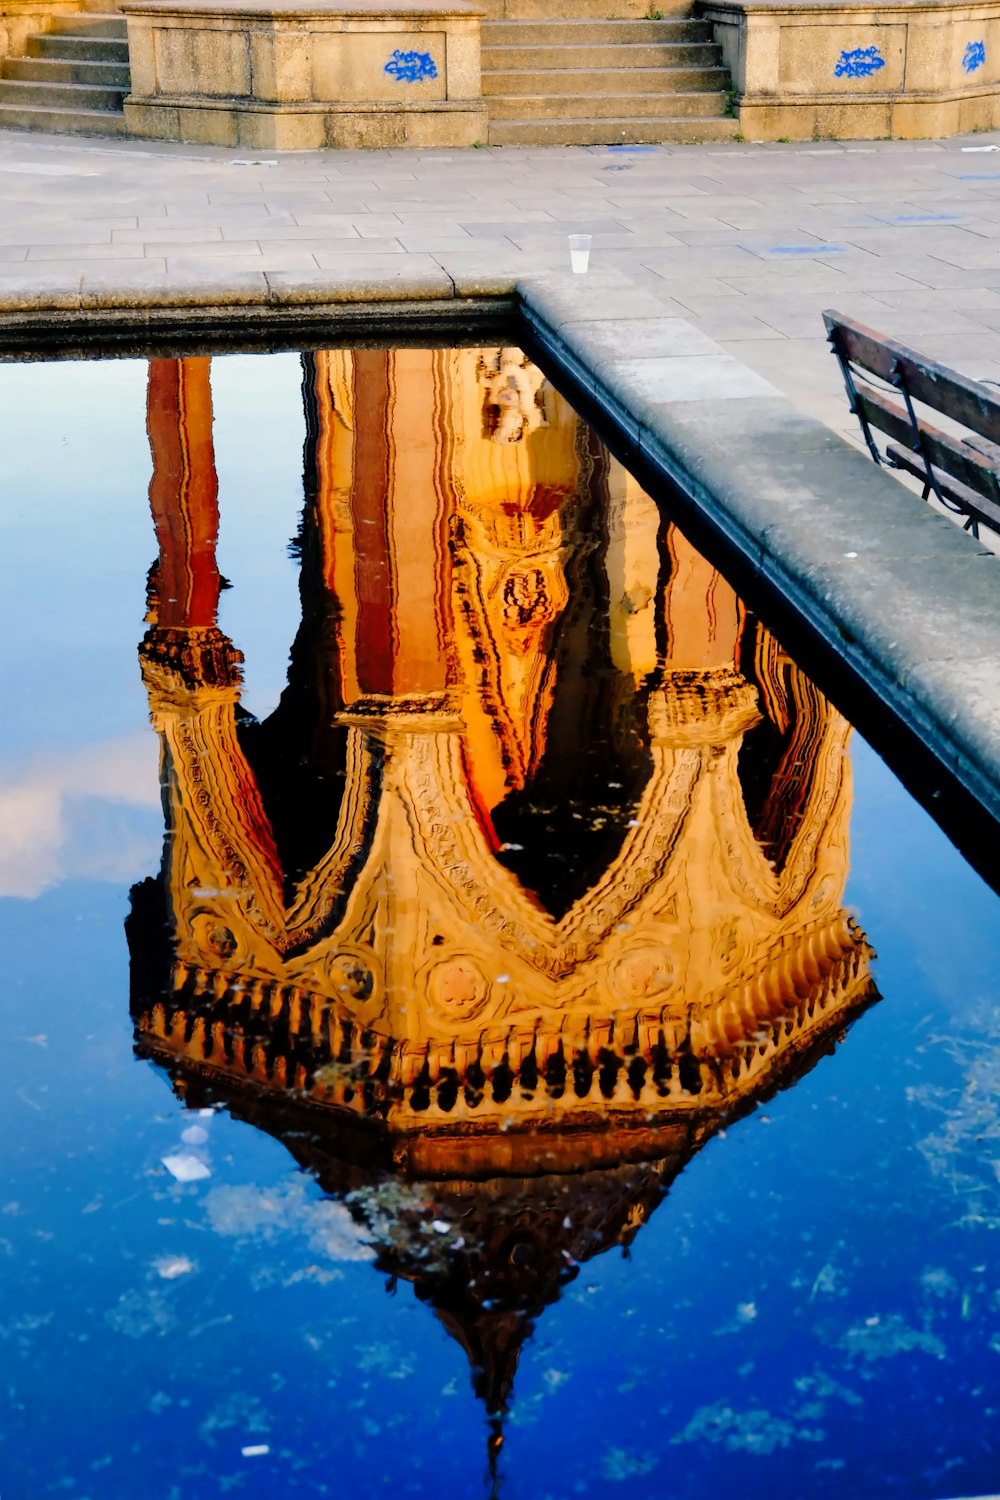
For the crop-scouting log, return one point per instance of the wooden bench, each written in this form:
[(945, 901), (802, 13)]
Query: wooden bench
[(886, 382)]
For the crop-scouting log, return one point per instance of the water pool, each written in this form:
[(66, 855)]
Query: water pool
[(476, 1017)]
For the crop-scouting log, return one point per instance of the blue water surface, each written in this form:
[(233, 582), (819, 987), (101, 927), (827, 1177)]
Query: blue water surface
[(813, 1310)]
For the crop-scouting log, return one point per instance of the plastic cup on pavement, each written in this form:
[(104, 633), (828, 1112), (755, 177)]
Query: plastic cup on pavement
[(579, 252)]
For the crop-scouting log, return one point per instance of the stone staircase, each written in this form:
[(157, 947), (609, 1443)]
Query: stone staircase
[(72, 78), (591, 81), (607, 76)]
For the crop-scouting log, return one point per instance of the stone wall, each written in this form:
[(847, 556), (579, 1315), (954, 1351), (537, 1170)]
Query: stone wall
[(268, 75), (857, 71)]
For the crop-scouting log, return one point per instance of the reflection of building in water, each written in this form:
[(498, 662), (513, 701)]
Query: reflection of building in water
[(534, 875)]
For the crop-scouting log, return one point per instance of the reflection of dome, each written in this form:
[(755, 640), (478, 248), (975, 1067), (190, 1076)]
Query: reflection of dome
[(522, 891), (488, 1229)]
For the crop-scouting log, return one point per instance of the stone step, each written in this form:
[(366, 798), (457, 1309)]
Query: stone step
[(60, 95), (624, 55), (597, 10), (591, 33), (61, 121), (55, 70), (605, 106), (89, 25), (73, 48), (625, 131), (594, 81), (102, 7)]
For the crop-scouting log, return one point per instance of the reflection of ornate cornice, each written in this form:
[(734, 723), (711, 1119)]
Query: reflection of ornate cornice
[(630, 1068), (189, 658), (413, 711), (702, 707)]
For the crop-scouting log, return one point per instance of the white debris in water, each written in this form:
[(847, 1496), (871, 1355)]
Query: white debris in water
[(256, 1450), (172, 1266), (194, 1135), (186, 1167)]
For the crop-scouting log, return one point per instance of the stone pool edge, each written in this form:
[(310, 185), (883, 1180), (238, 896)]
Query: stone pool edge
[(908, 603)]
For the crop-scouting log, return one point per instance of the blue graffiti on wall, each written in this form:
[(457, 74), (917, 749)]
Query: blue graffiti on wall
[(975, 56), (411, 67), (860, 62)]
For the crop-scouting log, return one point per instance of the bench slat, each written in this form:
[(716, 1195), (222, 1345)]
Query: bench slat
[(964, 400), (945, 452), (977, 506)]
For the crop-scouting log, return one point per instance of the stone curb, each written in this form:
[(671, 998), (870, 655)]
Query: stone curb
[(52, 319), (906, 601)]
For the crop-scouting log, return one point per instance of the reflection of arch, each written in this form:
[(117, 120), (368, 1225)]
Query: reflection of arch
[(406, 994)]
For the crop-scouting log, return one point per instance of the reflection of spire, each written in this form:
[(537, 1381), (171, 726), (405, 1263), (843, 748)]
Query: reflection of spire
[(497, 1087)]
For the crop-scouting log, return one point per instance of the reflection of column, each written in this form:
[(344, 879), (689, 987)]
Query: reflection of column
[(183, 492), (632, 565), (220, 838), (703, 616), (381, 504)]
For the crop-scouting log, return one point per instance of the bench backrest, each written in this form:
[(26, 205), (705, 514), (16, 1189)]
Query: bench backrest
[(963, 470), (955, 395)]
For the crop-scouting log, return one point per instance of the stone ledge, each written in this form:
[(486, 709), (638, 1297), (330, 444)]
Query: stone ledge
[(328, 11), (816, 8), (305, 125), (904, 600)]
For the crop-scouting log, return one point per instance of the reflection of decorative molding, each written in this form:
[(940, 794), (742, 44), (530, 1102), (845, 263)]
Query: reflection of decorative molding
[(197, 657), (406, 1016), (633, 1068), (702, 707), (511, 405)]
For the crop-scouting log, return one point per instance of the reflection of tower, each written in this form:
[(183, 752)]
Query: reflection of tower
[(379, 978)]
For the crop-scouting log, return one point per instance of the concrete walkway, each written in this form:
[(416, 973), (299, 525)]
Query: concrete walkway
[(749, 243)]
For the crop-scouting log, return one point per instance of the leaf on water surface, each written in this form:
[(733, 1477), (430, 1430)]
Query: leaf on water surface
[(237, 1409), (139, 1313), (962, 1151), (385, 1359), (822, 1387), (882, 1338), (265, 1213), (618, 1464), (753, 1431)]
